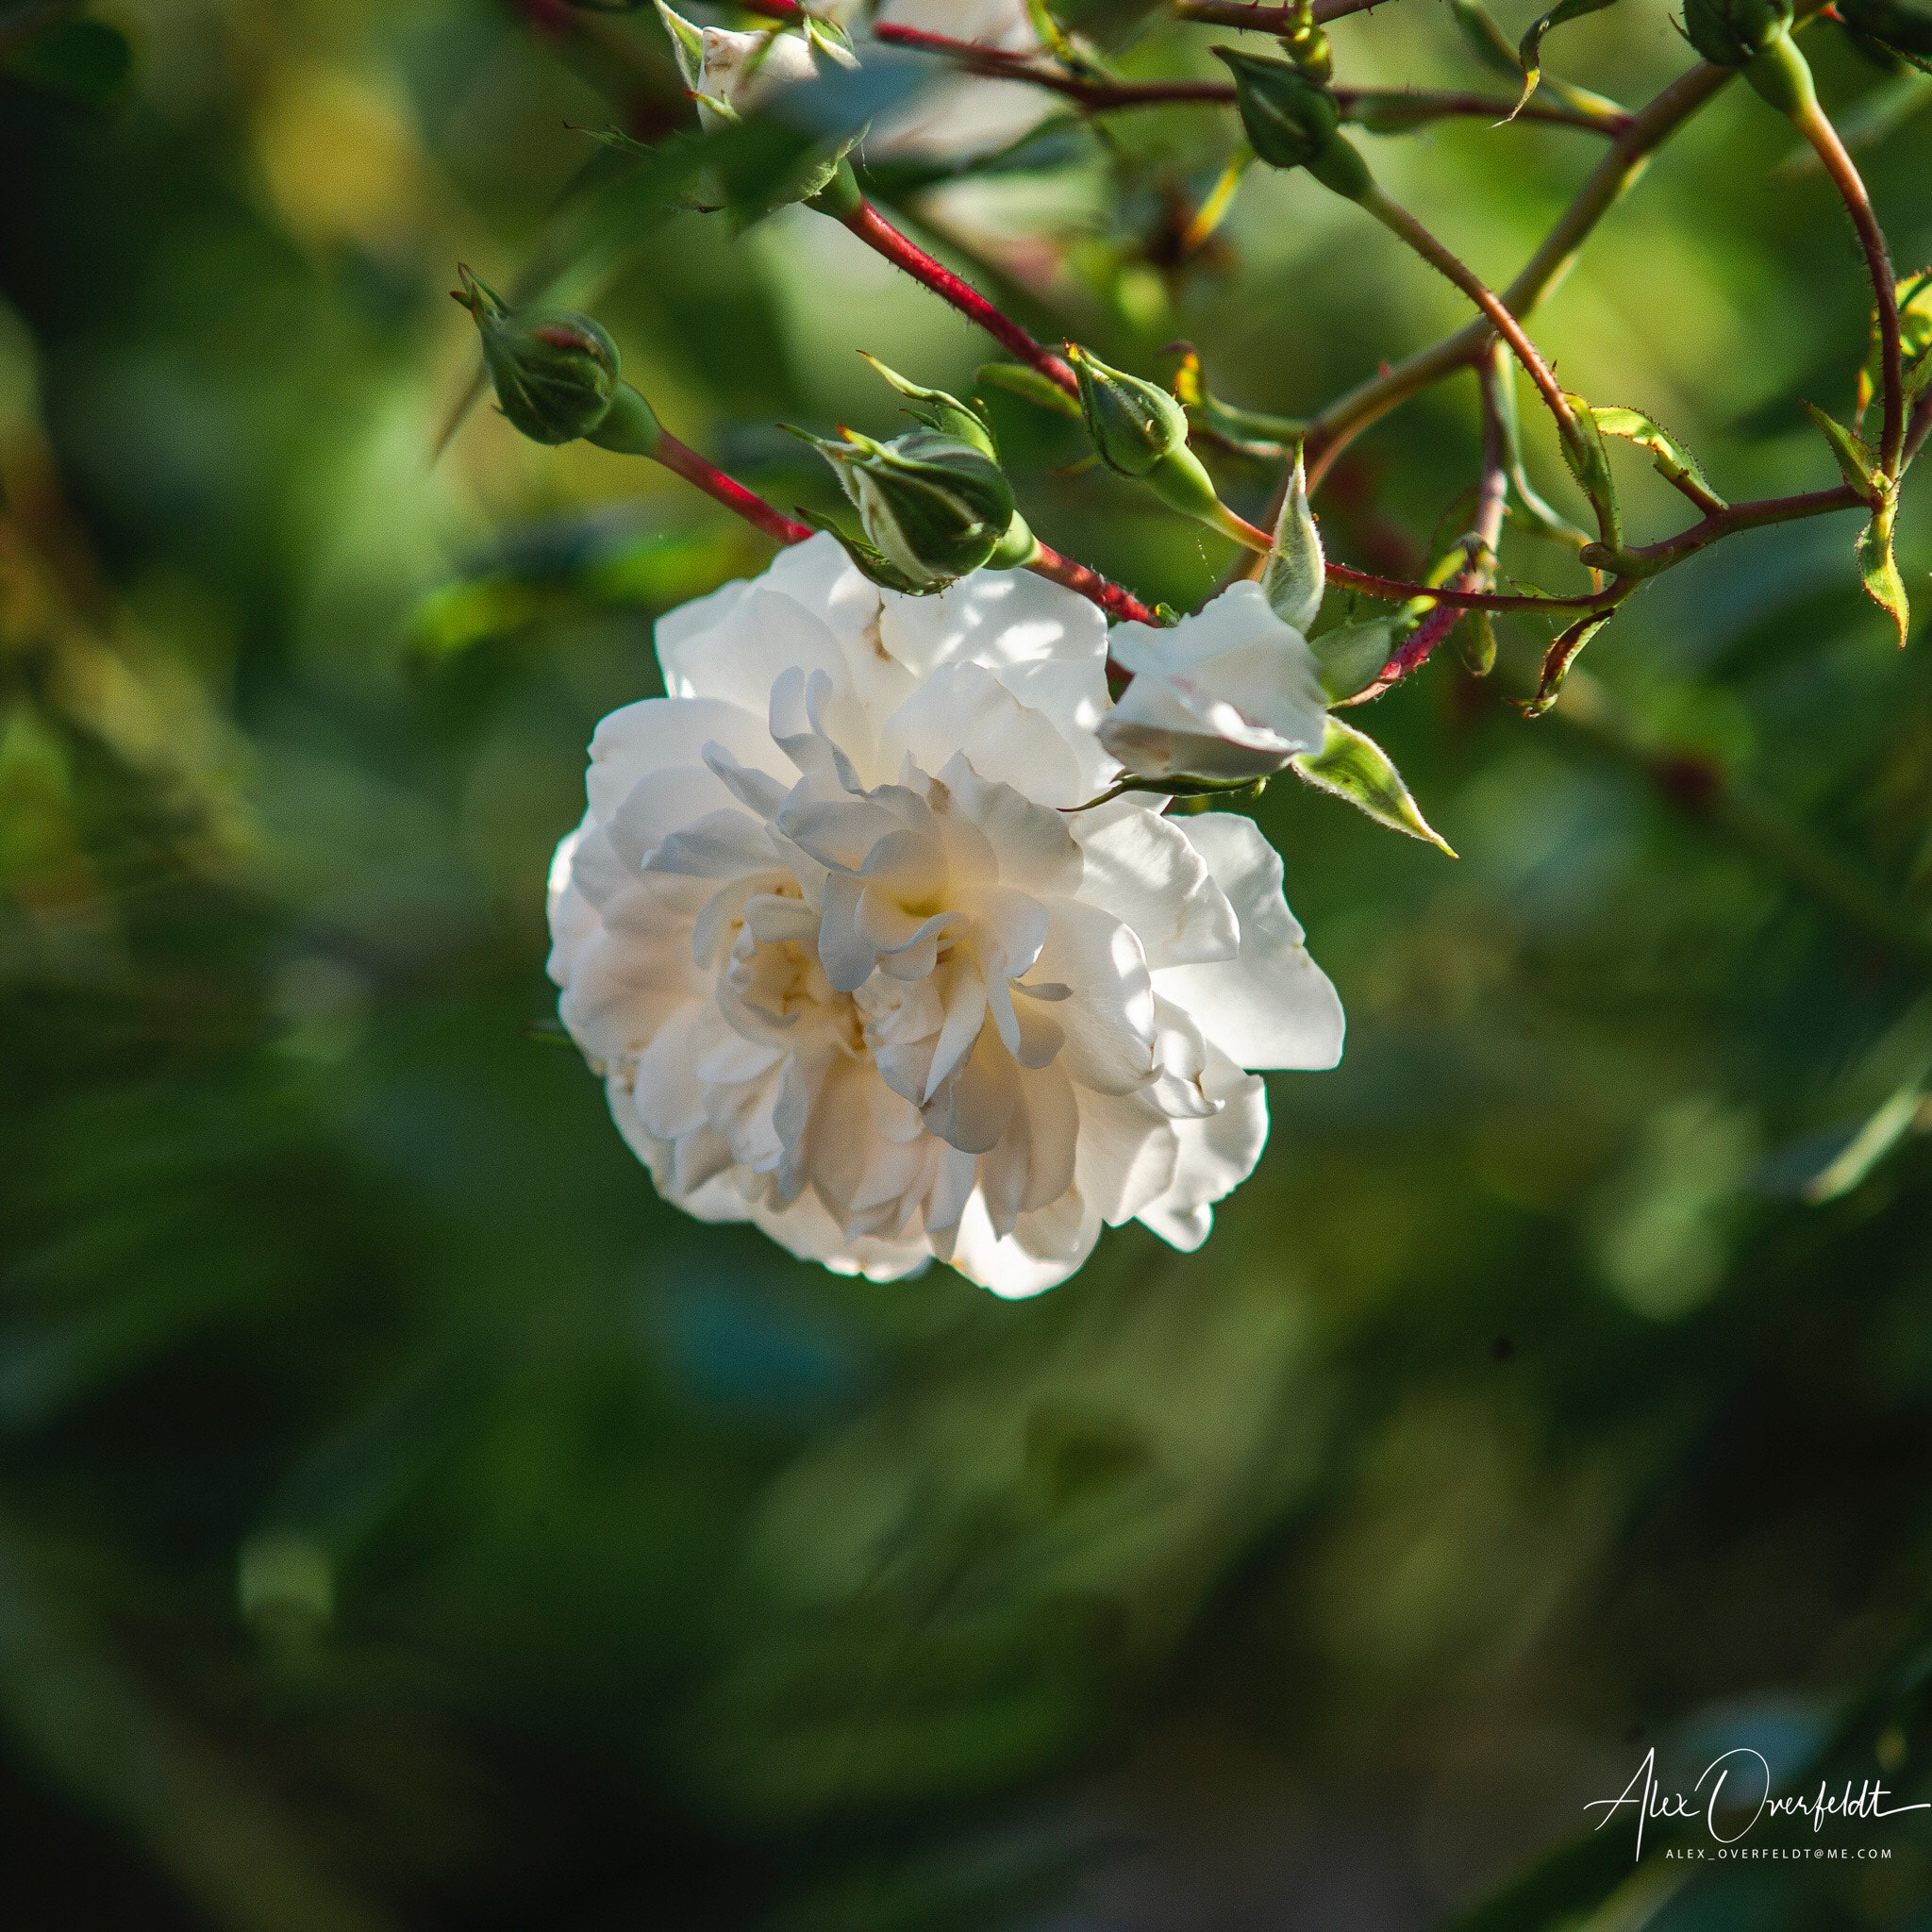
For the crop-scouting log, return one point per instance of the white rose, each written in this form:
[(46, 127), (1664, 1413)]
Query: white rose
[(852, 973), (730, 73), (957, 114), (1233, 692)]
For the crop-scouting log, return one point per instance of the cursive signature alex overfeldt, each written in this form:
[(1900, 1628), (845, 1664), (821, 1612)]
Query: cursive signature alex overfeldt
[(1753, 1770)]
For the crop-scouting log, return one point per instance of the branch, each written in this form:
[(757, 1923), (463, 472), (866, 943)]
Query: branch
[(1630, 155), (877, 232), (681, 460), (1479, 566), (1264, 20), (1112, 598), (1817, 128), (1002, 63), (1398, 220), (1746, 516)]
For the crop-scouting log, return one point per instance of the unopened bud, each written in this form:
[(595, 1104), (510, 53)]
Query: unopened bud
[(556, 373), (1135, 423), (1292, 121), (1140, 431), (932, 507), (1731, 33)]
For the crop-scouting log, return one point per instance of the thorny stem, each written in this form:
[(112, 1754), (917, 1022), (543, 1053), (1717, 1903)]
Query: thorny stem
[(1112, 598), (1264, 20), (682, 460), (877, 232), (1746, 516), (1001, 63), (1398, 220), (1817, 128), (1480, 546), (1616, 173)]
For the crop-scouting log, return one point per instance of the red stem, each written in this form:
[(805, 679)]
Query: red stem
[(775, 9), (1112, 598), (877, 232), (1264, 20), (685, 462)]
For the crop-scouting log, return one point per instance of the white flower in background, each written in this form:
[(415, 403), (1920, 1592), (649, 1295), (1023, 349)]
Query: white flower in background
[(950, 115), (1232, 692), (957, 114), (852, 973), (730, 73)]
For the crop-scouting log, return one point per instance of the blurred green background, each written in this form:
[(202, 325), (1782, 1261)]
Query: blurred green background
[(406, 1521)]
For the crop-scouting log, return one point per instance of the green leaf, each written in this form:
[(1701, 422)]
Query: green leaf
[(1017, 380), (1878, 570), (1350, 657), (1670, 456), (1529, 51), (1296, 572), (1915, 343), (1230, 789), (1352, 765), (1590, 462), (1561, 656), (1857, 461)]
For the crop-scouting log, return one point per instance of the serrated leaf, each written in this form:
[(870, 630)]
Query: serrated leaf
[(1350, 657), (1352, 765), (1857, 461), (1914, 342), (1560, 657), (1296, 572), (1590, 462), (1017, 380), (1670, 458), (1878, 572), (1529, 50)]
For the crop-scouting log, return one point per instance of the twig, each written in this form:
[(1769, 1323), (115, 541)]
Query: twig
[(1817, 128), (1264, 20), (877, 232), (1002, 63), (681, 460), (1112, 598)]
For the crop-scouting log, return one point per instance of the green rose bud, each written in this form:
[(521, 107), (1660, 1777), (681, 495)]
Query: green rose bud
[(1140, 431), (1292, 121), (1731, 33), (556, 373), (933, 507), (1134, 424)]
